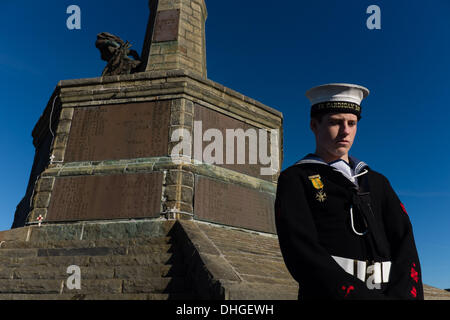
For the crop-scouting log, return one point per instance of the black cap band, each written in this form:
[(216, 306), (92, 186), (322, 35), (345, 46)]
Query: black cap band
[(336, 107)]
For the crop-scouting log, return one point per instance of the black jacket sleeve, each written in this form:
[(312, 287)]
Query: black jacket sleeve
[(317, 273), (405, 280)]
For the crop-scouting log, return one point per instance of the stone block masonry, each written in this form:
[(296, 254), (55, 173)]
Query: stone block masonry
[(177, 34)]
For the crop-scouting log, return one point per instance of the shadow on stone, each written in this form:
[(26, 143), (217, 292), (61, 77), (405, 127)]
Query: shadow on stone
[(189, 271)]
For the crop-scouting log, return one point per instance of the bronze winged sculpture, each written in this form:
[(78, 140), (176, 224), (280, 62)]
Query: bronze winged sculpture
[(117, 53)]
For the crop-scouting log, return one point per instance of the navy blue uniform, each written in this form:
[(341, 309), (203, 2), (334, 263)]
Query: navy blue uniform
[(341, 239)]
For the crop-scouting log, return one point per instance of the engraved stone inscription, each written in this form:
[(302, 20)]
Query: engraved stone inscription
[(106, 197), (124, 131), (234, 205), (166, 26), (213, 119)]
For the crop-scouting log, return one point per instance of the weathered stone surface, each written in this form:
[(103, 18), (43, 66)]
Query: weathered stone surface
[(155, 285), (98, 251), (254, 259), (14, 253), (86, 92), (199, 239), (59, 272), (432, 293), (148, 165), (97, 286), (18, 234), (138, 259), (186, 178), (115, 231), (42, 200), (179, 193), (30, 286), (154, 270), (220, 267), (45, 184), (75, 296), (174, 30), (257, 291), (126, 230), (126, 242)]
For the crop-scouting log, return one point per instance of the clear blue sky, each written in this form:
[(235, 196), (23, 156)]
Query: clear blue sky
[(272, 52)]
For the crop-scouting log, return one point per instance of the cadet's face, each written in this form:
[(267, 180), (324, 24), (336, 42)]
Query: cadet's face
[(334, 135)]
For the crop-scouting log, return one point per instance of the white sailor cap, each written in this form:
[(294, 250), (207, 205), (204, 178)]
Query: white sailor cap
[(337, 98)]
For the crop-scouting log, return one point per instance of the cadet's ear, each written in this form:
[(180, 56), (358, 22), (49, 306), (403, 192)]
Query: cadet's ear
[(313, 125)]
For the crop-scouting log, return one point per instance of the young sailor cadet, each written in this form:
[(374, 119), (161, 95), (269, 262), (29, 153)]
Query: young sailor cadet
[(343, 232)]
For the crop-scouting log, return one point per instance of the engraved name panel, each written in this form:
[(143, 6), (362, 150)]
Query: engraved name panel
[(234, 205), (211, 119), (166, 25), (106, 197), (124, 131)]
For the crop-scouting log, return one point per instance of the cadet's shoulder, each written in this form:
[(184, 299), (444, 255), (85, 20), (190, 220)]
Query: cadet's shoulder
[(377, 176)]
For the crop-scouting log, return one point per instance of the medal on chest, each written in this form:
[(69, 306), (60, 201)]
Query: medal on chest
[(317, 183)]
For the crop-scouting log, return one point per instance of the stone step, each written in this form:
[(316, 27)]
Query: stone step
[(97, 286), (98, 251), (84, 243), (75, 296), (93, 230), (18, 253), (135, 260), (120, 272), (85, 251), (258, 291), (102, 260), (54, 273), (103, 251), (44, 286), (156, 285), (145, 272), (432, 293)]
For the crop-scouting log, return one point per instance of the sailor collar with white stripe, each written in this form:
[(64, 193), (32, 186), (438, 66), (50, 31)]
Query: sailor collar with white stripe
[(349, 170)]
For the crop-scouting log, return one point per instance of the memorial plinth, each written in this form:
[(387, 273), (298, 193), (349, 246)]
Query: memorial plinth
[(108, 153)]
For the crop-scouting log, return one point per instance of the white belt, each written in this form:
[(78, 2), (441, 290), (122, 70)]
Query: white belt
[(377, 273)]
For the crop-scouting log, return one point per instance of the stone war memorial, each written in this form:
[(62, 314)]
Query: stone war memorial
[(151, 182)]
